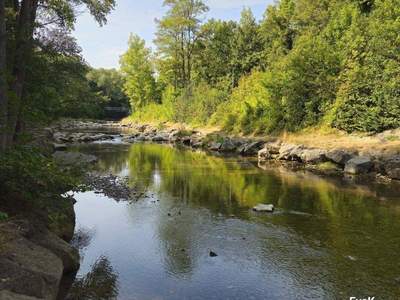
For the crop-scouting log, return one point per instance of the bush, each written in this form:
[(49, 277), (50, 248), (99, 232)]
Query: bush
[(28, 173)]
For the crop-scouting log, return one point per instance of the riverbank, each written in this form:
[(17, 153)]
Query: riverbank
[(37, 224), (376, 156)]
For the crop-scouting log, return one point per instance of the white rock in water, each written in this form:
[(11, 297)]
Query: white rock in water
[(264, 208)]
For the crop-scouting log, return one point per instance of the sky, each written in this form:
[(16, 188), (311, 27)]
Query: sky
[(102, 46)]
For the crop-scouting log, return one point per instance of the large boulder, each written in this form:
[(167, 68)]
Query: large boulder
[(270, 150), (290, 152), (339, 157), (249, 149), (392, 167), (312, 156), (227, 146), (29, 269), (358, 165)]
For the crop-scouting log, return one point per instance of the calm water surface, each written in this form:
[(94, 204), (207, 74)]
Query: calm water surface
[(328, 239)]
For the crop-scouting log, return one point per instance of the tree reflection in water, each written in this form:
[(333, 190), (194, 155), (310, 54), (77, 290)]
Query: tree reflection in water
[(101, 283)]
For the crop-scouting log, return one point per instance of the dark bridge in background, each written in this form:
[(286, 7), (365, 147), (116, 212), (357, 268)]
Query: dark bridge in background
[(116, 113)]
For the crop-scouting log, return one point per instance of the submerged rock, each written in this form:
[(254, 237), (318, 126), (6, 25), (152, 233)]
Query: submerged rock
[(73, 158), (358, 165), (213, 254), (264, 208)]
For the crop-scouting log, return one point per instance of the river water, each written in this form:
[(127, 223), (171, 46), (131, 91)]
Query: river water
[(329, 238)]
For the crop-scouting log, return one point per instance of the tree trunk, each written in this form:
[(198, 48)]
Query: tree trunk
[(3, 78), (24, 37)]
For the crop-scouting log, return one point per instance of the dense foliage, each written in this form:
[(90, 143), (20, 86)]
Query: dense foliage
[(306, 63)]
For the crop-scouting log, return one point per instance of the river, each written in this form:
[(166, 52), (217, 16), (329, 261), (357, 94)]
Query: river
[(329, 238)]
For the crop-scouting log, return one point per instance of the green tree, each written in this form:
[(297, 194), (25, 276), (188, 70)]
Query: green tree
[(215, 49), (247, 46), (176, 38), (137, 69), (109, 85), (23, 19)]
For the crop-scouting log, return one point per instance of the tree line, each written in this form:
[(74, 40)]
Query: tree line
[(307, 63)]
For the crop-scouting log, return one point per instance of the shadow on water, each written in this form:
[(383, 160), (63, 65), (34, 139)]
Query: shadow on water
[(100, 283), (329, 238)]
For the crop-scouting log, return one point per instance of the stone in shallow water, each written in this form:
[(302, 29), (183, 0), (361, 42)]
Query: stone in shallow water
[(358, 165), (264, 208), (213, 254)]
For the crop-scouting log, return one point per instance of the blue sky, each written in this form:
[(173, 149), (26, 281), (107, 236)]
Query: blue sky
[(102, 46)]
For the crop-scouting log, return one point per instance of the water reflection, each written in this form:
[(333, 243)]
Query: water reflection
[(328, 239), (100, 283)]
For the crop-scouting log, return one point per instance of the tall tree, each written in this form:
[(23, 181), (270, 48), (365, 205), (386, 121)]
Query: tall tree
[(214, 51), (247, 47), (25, 18), (137, 68), (176, 37)]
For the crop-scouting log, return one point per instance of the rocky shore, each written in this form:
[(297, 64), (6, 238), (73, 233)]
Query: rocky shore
[(345, 161), (34, 260)]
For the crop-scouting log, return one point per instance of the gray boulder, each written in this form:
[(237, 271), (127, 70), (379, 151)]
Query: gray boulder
[(312, 156), (358, 165), (392, 167), (339, 157), (264, 155), (251, 148), (30, 270), (215, 146), (290, 152), (227, 146)]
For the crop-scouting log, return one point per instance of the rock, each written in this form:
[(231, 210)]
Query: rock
[(60, 137), (68, 255), (290, 152), (339, 157), (73, 158), (227, 146), (264, 155), (313, 156), (358, 165), (250, 149), (215, 146), (186, 140), (29, 269), (264, 208), (7, 295), (392, 167), (274, 147), (160, 138), (213, 254), (59, 147)]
